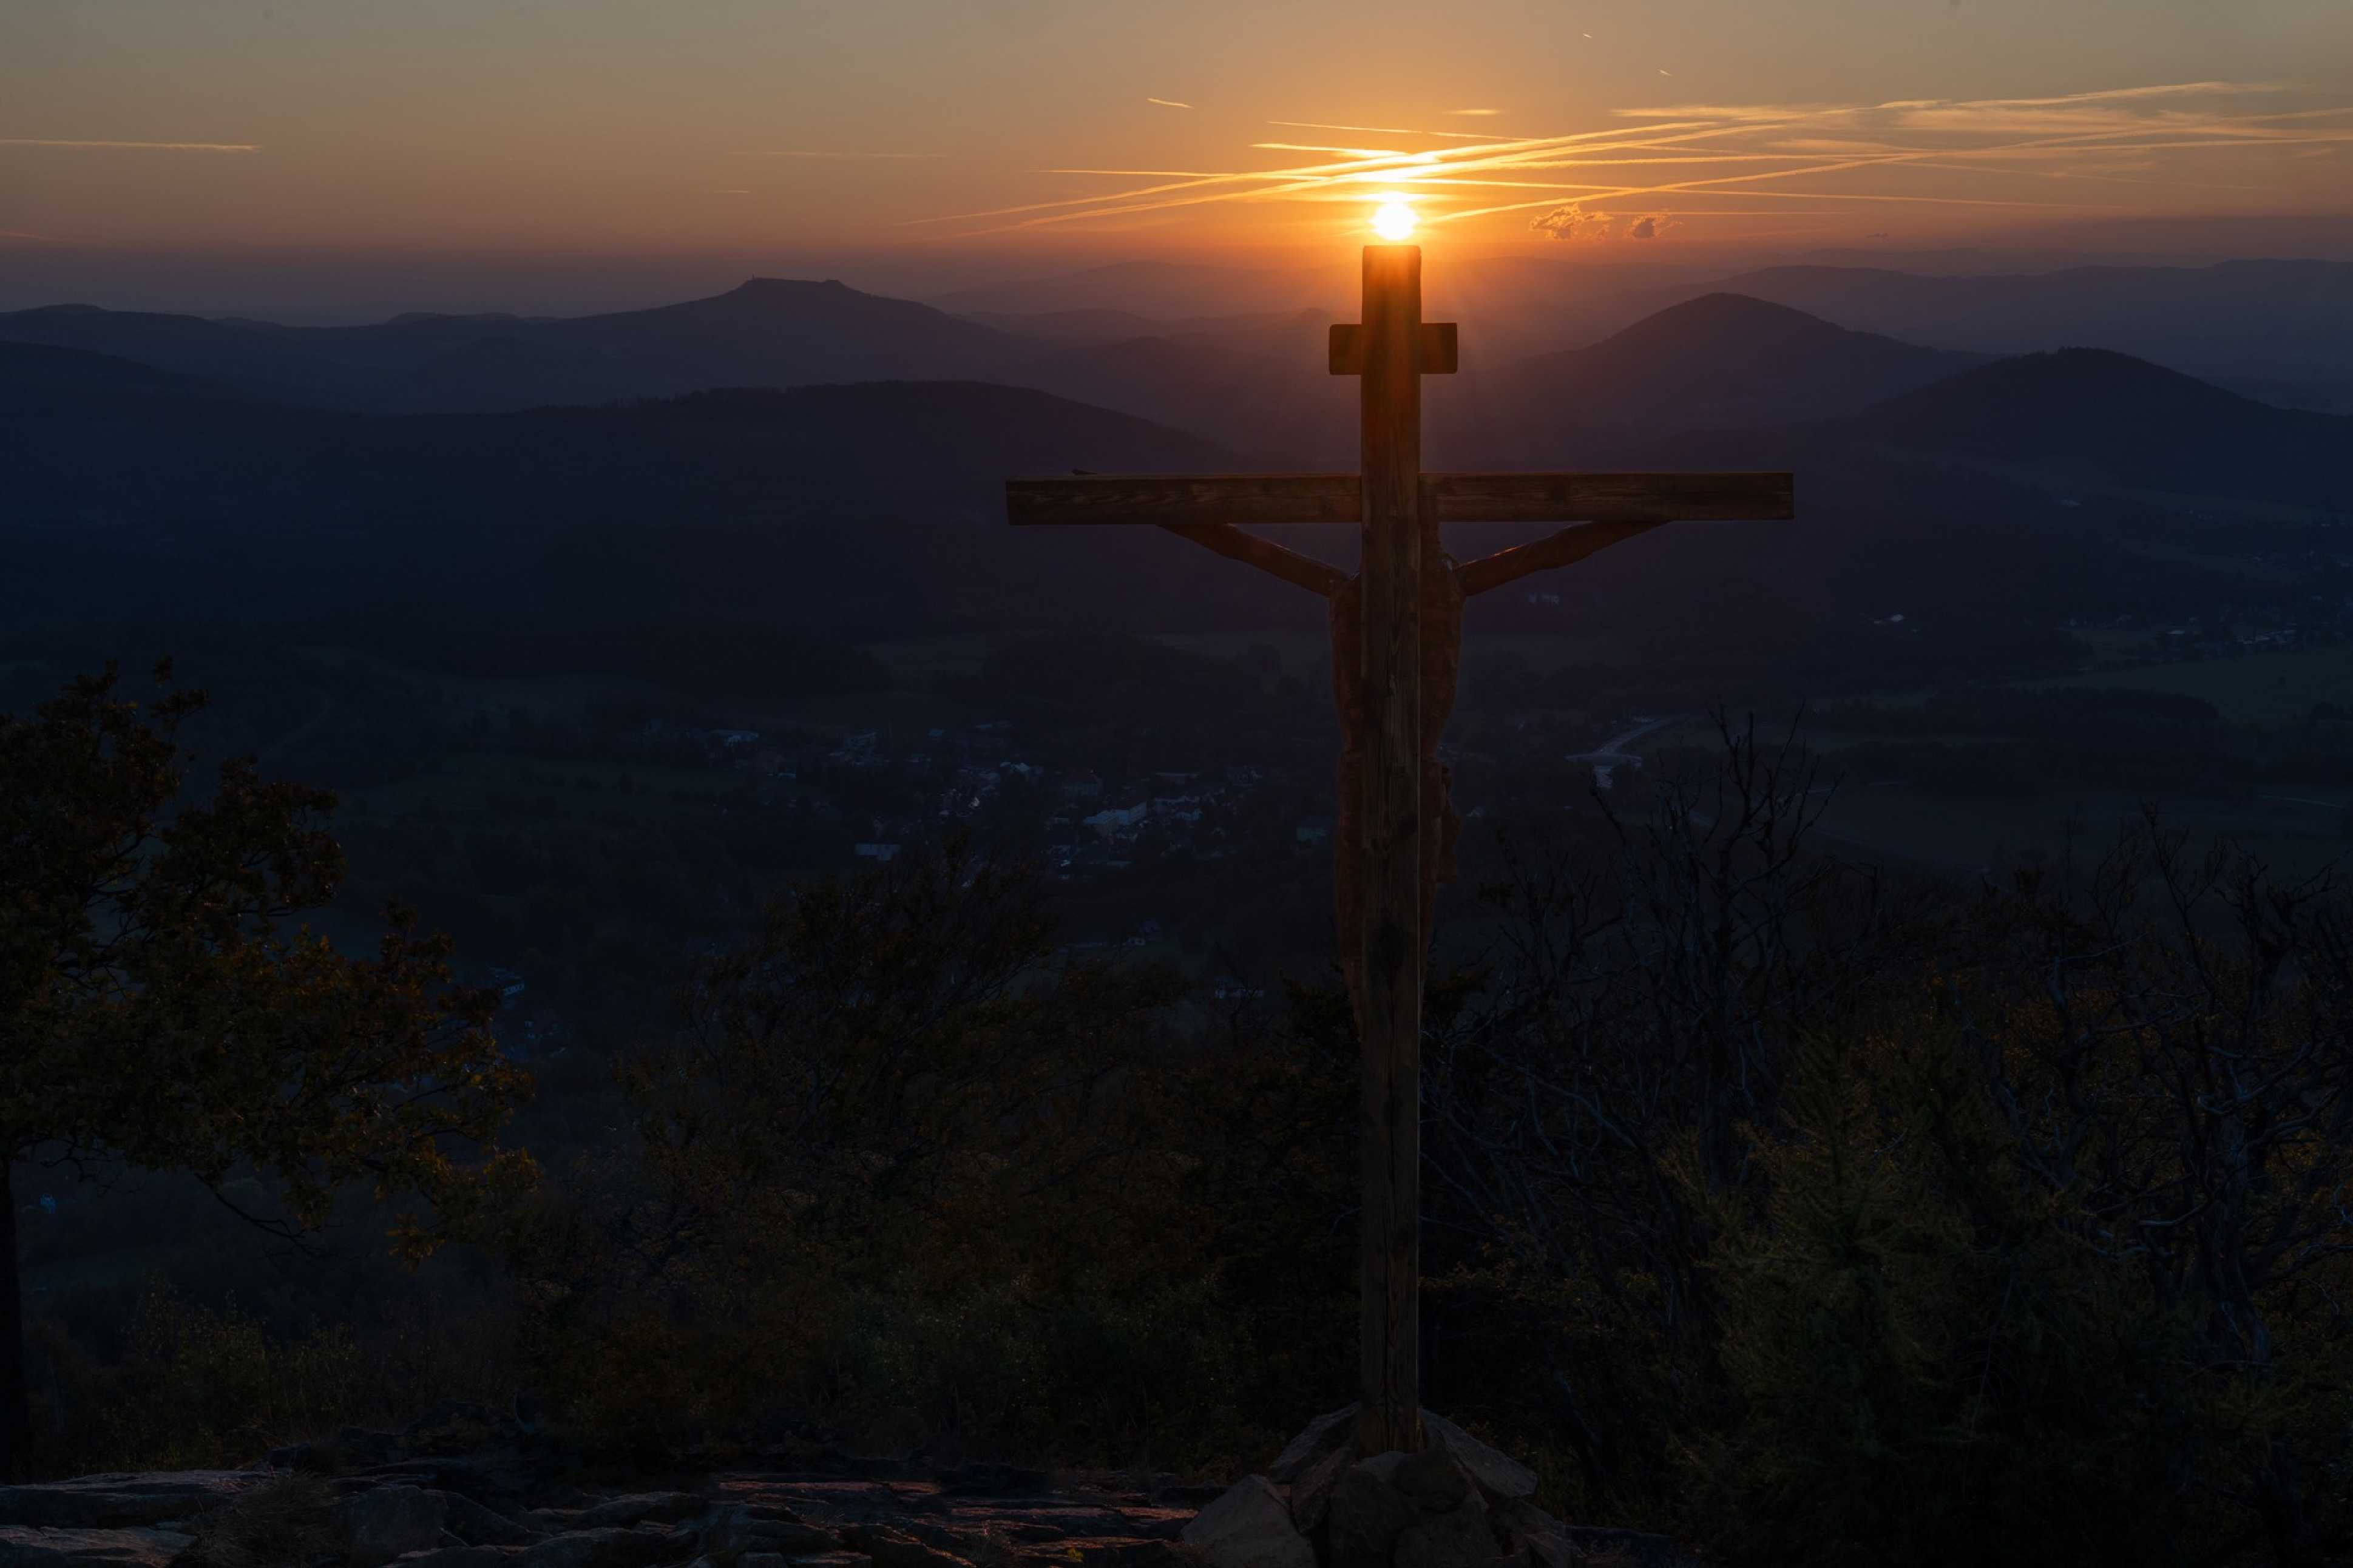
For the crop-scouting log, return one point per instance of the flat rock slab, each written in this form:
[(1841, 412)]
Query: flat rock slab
[(611, 1547), (900, 1548), (1498, 1473), (25, 1547), (1249, 1527), (1634, 1548), (475, 1525), (390, 1522), (1101, 1552), (1157, 1523), (1326, 1434), (1365, 1515), (1457, 1540), (635, 1508), (458, 1557), (1100, 1529), (1058, 1519), (1459, 1504), (99, 1503)]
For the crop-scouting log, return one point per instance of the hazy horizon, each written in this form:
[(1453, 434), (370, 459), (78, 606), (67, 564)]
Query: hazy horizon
[(321, 160)]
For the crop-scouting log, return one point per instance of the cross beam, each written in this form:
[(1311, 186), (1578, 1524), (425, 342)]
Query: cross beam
[(1397, 630), (1092, 500)]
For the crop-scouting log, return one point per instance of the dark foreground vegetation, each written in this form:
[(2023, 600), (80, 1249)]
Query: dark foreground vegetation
[(1805, 1211)]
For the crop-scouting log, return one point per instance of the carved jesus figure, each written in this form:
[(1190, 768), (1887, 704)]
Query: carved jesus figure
[(1446, 586)]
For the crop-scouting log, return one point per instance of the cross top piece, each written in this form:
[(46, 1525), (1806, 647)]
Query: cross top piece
[(1397, 643)]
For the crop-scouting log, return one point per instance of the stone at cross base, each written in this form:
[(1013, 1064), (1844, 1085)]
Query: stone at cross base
[(1459, 1503)]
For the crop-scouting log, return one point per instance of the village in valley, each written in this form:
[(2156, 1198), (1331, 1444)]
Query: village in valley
[(883, 790), (2242, 708)]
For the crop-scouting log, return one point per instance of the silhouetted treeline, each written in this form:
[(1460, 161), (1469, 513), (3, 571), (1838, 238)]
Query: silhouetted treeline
[(1799, 1209)]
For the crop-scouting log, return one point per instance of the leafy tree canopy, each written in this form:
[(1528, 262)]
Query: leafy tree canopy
[(158, 1009)]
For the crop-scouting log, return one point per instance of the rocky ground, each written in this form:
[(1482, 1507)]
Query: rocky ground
[(465, 1486), (1458, 1503)]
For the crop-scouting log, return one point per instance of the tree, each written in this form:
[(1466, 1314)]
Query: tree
[(158, 1014)]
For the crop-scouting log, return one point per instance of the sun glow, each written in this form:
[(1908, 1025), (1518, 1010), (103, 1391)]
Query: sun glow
[(1393, 220)]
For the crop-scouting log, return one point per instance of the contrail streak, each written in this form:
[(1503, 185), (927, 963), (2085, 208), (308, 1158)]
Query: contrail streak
[(1310, 172), (2001, 138), (133, 146), (814, 152), (1382, 130)]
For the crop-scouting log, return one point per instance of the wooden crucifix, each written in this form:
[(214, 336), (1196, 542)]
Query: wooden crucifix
[(1396, 628)]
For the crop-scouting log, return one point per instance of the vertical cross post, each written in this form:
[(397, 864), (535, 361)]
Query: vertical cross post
[(1406, 605), (1389, 1006)]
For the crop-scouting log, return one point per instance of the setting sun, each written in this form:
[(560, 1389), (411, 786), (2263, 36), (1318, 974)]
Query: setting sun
[(1393, 220)]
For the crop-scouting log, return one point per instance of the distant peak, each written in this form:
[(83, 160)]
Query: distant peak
[(1720, 318), (2082, 364), (417, 317), (787, 285), (1726, 306)]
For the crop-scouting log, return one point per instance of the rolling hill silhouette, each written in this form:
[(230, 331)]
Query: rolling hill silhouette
[(34, 376), (1255, 385), (1159, 290), (874, 503), (765, 332), (1260, 385), (1246, 333), (2287, 323), (875, 507), (2090, 416), (765, 454), (1725, 360)]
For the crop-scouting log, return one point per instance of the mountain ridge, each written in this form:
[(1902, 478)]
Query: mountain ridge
[(2117, 419), (1724, 360), (772, 332)]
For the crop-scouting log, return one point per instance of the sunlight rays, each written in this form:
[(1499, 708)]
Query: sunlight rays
[(1701, 153)]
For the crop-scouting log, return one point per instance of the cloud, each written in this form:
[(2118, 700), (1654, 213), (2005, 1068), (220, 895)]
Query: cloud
[(1650, 225), (1732, 113), (1571, 221), (2112, 94), (136, 147), (1167, 103), (1474, 111)]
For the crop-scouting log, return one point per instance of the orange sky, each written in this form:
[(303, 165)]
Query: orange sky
[(958, 129)]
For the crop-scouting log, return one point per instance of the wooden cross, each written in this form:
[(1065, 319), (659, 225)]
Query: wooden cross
[(1397, 637)]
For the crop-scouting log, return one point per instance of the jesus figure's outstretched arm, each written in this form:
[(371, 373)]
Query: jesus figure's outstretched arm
[(1566, 548), (1301, 570)]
